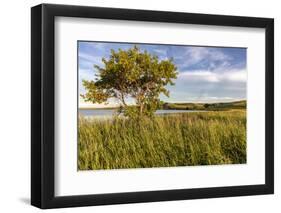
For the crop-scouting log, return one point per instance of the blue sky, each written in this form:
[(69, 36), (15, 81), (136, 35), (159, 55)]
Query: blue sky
[(206, 74)]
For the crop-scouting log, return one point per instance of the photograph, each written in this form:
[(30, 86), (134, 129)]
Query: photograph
[(160, 105), (132, 105)]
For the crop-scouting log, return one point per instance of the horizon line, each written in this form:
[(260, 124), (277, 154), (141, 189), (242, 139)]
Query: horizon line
[(190, 102)]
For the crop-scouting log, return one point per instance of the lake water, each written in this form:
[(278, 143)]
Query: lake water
[(101, 113)]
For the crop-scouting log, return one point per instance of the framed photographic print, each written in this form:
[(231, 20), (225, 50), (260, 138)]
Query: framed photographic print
[(140, 106)]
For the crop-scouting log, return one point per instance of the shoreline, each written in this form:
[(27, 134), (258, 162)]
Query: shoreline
[(242, 104)]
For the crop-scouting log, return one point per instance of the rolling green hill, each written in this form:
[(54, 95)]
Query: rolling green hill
[(206, 106)]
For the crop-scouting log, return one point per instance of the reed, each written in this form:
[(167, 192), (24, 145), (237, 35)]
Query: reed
[(186, 139)]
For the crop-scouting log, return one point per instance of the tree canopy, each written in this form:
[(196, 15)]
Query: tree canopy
[(133, 74)]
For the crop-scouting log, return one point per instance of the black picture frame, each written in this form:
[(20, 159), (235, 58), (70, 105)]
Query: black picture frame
[(43, 101)]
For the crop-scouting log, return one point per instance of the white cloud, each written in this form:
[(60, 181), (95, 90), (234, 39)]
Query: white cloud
[(86, 74), (199, 53), (214, 77), (111, 103), (98, 45), (91, 58), (194, 55), (160, 51)]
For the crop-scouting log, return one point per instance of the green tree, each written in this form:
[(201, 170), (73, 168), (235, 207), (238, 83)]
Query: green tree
[(131, 74)]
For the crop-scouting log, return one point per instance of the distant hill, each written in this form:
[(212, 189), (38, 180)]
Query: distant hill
[(205, 106), (194, 106)]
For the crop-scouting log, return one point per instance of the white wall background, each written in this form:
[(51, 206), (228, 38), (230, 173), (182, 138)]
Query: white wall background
[(15, 105)]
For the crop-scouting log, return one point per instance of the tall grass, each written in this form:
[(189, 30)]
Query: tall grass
[(198, 138)]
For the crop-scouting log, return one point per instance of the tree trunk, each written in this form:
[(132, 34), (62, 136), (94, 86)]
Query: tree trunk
[(123, 100), (141, 109)]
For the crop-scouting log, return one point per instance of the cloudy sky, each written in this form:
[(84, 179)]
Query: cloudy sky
[(206, 74)]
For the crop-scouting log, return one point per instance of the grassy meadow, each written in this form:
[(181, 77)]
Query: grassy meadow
[(180, 139)]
